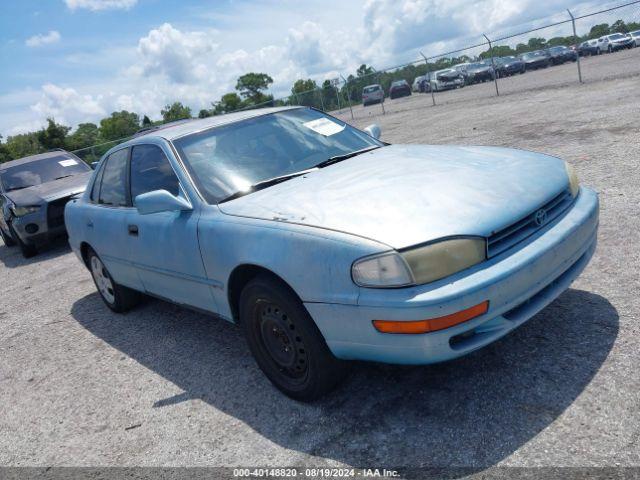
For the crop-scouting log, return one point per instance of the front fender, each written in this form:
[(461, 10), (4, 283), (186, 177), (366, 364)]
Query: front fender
[(315, 263)]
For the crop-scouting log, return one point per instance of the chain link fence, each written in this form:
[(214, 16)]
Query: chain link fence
[(565, 48)]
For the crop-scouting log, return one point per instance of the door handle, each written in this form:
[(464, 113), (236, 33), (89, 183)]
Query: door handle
[(133, 230)]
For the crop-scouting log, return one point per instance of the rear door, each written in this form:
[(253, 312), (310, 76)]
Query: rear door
[(164, 246)]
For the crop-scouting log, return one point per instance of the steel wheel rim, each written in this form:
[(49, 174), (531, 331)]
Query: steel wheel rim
[(282, 342), (103, 280)]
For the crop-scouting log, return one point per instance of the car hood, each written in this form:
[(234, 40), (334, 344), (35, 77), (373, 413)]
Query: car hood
[(404, 195), (49, 191)]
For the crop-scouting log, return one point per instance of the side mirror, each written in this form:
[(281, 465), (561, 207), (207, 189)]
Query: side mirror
[(374, 131), (93, 165), (160, 201)]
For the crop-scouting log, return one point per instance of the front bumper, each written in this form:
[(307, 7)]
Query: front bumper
[(518, 284), (40, 227)]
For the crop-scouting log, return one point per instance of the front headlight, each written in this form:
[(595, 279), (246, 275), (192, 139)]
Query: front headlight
[(379, 271), (22, 211), (574, 182), (419, 265)]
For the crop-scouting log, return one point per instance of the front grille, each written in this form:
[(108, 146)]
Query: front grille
[(508, 237), (55, 212)]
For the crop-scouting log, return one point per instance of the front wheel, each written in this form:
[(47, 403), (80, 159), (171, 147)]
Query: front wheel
[(6, 238), (285, 342), (27, 250), (116, 297)]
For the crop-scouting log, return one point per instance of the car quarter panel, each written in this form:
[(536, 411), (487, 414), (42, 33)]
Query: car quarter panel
[(315, 263)]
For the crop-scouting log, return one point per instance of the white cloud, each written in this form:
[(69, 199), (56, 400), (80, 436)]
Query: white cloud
[(67, 106), (43, 39), (181, 56), (96, 5)]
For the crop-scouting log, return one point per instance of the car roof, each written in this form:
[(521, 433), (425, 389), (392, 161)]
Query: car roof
[(180, 129), (35, 158)]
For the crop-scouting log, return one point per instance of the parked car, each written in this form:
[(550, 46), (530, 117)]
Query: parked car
[(507, 66), (635, 37), (33, 193), (588, 48), (476, 72), (416, 85), (446, 79), (561, 54), (614, 42), (372, 94), (326, 244), (399, 88), (535, 60)]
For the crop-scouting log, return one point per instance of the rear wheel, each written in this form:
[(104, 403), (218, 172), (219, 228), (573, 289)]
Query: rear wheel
[(285, 341), (117, 298)]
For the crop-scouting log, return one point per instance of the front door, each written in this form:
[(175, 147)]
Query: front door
[(164, 246), (105, 219)]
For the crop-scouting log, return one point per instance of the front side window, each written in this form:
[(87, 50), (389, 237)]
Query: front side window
[(151, 170), (42, 171), (229, 159), (114, 180)]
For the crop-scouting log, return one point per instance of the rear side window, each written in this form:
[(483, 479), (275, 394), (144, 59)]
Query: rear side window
[(151, 170), (114, 180)]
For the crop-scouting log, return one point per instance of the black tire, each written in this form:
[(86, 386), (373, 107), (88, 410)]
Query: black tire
[(27, 250), (285, 341), (119, 299), (7, 239)]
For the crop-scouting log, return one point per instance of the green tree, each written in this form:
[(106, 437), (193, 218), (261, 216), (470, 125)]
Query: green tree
[(119, 125), (251, 85), (536, 43), (599, 30), (364, 70), (229, 102), (146, 122), (619, 27), (175, 111), (305, 92), (204, 113), (86, 135), (53, 136), (5, 156), (23, 145)]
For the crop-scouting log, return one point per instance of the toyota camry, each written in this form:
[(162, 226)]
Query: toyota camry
[(326, 244)]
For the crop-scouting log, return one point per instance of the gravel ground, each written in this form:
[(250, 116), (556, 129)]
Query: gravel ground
[(161, 385)]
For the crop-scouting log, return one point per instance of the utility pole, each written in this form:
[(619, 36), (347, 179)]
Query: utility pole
[(575, 35), (493, 64), (433, 97)]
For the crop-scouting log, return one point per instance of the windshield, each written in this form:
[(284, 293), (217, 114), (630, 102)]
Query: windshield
[(41, 171), (230, 159), (616, 36), (375, 88)]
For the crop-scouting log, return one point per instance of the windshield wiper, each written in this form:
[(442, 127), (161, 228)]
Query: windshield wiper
[(266, 183), (339, 158), (19, 188), (64, 176)]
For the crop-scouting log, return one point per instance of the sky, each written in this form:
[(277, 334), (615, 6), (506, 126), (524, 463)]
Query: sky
[(79, 60)]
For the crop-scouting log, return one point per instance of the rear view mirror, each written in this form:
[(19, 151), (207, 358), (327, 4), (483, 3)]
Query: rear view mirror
[(160, 201), (374, 131)]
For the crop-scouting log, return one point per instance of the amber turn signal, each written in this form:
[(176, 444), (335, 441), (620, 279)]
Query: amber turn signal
[(432, 324)]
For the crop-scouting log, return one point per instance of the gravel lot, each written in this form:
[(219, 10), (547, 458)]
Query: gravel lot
[(162, 385)]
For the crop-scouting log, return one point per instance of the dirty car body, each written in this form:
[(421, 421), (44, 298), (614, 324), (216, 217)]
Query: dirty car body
[(34, 191), (403, 254)]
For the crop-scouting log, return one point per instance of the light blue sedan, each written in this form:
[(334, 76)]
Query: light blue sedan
[(326, 244)]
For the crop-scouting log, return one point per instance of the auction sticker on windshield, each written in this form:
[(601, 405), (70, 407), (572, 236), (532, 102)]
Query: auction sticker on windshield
[(68, 163), (324, 126)]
